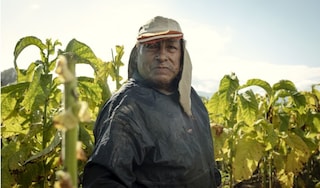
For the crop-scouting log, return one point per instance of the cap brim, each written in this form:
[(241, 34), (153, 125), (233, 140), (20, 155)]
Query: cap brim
[(147, 37)]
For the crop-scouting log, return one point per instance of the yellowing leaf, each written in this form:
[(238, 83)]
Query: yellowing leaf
[(248, 152), (286, 179), (298, 155), (316, 123), (220, 140), (12, 126)]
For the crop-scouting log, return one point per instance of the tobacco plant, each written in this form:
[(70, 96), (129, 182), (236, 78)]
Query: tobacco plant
[(270, 133), (30, 143)]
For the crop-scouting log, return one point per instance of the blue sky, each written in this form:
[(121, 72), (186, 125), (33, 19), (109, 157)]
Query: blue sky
[(270, 39)]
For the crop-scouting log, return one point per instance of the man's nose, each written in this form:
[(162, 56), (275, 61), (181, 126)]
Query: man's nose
[(162, 54)]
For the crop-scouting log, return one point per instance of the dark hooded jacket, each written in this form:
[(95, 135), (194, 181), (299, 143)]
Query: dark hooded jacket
[(144, 139)]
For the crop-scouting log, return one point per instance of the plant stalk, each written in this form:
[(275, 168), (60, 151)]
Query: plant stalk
[(270, 170), (231, 161), (71, 135)]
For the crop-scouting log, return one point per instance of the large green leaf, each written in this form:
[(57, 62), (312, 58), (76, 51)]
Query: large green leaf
[(86, 55), (215, 110), (285, 85), (247, 108), (282, 90), (299, 101), (220, 106), (11, 116), (228, 86), (248, 152), (55, 142), (33, 91), (258, 82), (10, 97), (284, 122), (27, 75), (89, 90), (84, 52), (25, 42)]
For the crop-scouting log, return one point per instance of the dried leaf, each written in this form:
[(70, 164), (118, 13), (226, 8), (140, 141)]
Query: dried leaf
[(81, 155), (65, 120), (62, 69), (83, 114), (64, 180)]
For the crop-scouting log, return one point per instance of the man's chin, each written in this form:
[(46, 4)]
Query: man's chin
[(162, 80)]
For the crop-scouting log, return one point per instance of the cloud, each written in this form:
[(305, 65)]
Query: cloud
[(207, 79), (34, 6), (209, 50)]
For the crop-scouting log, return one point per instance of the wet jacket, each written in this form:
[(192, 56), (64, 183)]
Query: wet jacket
[(144, 139)]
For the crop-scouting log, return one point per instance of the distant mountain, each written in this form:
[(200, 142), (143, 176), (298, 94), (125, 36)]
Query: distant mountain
[(8, 76), (205, 94)]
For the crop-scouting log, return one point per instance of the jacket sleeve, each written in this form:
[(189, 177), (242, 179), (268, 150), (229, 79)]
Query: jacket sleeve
[(98, 176), (119, 148)]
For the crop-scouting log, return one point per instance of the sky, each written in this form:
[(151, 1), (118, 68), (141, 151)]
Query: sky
[(267, 39)]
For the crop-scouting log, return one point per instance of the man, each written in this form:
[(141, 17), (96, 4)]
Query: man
[(154, 132)]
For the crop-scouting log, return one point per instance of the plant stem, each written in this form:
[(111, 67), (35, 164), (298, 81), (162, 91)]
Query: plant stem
[(71, 135), (270, 170), (231, 161), (264, 173)]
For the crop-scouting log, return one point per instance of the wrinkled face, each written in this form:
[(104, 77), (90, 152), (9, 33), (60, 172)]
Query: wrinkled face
[(159, 62)]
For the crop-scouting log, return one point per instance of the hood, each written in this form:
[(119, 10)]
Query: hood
[(159, 28)]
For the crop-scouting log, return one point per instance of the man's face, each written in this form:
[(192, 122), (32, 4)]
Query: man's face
[(159, 62)]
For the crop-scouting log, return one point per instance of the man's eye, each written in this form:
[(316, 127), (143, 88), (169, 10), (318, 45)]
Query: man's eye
[(152, 46), (172, 48)]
